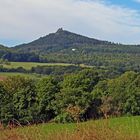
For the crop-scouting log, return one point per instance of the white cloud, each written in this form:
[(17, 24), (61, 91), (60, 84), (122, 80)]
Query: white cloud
[(136, 0), (29, 19)]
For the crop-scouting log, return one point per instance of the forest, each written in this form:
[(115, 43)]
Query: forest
[(73, 97)]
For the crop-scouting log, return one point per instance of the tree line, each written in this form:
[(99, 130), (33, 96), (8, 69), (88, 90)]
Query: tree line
[(125, 57), (78, 96)]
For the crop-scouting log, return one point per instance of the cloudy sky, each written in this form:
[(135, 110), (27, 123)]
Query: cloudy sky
[(22, 21)]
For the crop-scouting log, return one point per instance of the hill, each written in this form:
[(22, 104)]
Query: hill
[(58, 41), (67, 47), (3, 50), (1, 46)]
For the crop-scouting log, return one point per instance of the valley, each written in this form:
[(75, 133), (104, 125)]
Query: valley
[(63, 82)]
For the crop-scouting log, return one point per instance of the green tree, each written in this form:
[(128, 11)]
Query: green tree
[(22, 98), (85, 80), (47, 88), (72, 104), (6, 105)]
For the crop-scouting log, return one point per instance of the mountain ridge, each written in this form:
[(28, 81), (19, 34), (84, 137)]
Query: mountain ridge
[(62, 39)]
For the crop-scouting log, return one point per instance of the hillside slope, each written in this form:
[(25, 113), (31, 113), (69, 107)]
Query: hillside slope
[(3, 50), (60, 40)]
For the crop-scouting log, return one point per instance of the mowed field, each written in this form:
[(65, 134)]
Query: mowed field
[(124, 128), (29, 65)]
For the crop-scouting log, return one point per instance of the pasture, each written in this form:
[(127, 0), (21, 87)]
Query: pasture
[(29, 65)]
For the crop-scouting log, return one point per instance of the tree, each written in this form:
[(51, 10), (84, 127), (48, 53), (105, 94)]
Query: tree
[(85, 80), (72, 103), (120, 95), (47, 88), (22, 98), (6, 105), (132, 104)]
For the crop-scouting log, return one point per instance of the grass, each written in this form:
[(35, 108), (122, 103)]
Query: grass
[(125, 128), (129, 124), (29, 65)]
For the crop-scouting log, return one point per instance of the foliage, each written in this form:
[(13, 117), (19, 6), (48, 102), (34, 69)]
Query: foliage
[(120, 95), (47, 88), (72, 97), (20, 98)]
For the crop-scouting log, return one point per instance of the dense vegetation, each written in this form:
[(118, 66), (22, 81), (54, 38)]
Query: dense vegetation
[(79, 96), (67, 47)]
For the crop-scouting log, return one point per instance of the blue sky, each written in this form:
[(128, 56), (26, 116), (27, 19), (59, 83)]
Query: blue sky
[(113, 20), (127, 3)]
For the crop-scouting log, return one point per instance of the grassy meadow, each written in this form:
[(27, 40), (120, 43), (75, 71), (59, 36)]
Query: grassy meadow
[(29, 65), (124, 128)]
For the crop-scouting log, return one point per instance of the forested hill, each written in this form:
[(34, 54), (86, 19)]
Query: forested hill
[(67, 47), (60, 40), (3, 50), (2, 47)]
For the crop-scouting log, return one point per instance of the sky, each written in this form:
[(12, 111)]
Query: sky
[(22, 21)]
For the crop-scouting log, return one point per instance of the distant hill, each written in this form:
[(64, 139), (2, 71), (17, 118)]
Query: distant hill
[(2, 47), (60, 40), (67, 47), (3, 50)]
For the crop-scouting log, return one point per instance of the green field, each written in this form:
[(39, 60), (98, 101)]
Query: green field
[(29, 65), (124, 128), (127, 124)]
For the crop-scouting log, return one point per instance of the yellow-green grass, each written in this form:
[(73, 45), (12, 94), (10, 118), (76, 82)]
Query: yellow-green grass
[(129, 125), (29, 65), (124, 128)]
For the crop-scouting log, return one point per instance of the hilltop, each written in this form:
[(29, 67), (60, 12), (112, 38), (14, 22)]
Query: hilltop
[(58, 41)]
